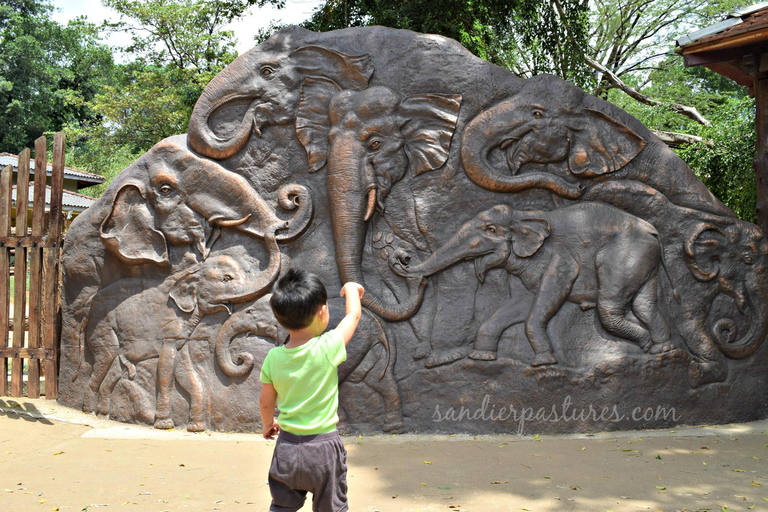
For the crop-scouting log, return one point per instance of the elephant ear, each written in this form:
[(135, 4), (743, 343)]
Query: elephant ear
[(430, 120), (703, 250), (349, 71), (184, 291), (129, 229), (528, 236), (312, 120), (600, 145)]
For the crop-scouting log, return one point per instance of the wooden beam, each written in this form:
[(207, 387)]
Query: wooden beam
[(761, 157)]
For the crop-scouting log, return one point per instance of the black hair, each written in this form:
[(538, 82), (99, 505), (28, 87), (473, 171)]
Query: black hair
[(296, 297)]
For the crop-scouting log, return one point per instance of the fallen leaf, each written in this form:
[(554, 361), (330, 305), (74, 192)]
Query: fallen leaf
[(500, 482), (750, 507), (125, 502), (395, 496), (55, 509), (658, 457), (428, 462), (57, 453), (756, 458), (359, 437), (726, 509), (756, 484), (444, 488), (673, 431), (583, 448), (704, 463), (661, 488), (41, 501), (548, 477), (424, 484), (739, 471)]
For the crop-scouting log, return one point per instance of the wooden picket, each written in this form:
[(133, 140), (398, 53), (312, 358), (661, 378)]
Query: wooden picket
[(32, 336)]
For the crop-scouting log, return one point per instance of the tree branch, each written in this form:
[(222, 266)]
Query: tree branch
[(689, 112), (677, 140)]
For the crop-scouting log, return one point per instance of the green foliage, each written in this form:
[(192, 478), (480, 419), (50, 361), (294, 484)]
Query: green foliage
[(186, 34), (484, 27), (48, 72), (724, 160)]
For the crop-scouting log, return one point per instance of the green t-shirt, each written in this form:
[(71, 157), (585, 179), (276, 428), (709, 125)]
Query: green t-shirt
[(307, 383)]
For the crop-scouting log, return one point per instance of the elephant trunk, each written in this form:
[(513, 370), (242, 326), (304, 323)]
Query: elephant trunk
[(487, 131), (235, 324), (262, 285), (347, 194), (224, 90), (725, 330), (454, 250)]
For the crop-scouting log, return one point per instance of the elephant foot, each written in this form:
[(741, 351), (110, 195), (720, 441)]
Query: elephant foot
[(393, 426), (422, 351), (543, 358), (102, 408), (163, 423), (445, 357), (483, 355), (194, 426), (659, 349), (586, 306), (700, 373)]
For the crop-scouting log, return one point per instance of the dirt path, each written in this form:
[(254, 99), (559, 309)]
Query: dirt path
[(50, 460)]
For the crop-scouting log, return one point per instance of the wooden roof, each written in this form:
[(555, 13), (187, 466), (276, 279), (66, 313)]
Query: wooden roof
[(731, 47)]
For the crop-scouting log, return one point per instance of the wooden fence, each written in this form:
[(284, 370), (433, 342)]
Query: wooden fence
[(31, 337)]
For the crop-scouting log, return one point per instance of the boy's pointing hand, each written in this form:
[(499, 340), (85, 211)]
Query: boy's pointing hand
[(350, 288)]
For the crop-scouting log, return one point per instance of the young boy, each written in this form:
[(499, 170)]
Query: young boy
[(301, 377)]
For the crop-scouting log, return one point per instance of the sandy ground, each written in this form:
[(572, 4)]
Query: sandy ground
[(55, 459)]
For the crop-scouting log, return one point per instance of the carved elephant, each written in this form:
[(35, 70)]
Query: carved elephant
[(137, 319), (261, 88), (567, 147), (590, 254), (367, 141), (712, 255)]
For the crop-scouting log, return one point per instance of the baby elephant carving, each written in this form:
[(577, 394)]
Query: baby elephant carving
[(590, 254), (119, 332)]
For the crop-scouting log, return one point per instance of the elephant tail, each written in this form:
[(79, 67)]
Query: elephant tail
[(295, 197), (385, 335), (81, 339)]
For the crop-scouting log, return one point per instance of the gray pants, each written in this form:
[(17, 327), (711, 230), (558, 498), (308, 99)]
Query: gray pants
[(316, 464)]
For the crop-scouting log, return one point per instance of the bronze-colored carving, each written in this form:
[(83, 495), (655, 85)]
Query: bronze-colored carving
[(590, 254), (522, 244)]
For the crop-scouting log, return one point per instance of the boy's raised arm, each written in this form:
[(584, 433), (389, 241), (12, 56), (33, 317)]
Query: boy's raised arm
[(353, 292)]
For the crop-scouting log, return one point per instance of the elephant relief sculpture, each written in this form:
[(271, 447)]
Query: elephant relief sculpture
[(367, 140), (393, 159), (716, 255), (261, 88), (547, 124), (115, 337), (591, 254)]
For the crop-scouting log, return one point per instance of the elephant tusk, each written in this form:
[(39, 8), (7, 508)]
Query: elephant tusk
[(231, 223), (371, 203)]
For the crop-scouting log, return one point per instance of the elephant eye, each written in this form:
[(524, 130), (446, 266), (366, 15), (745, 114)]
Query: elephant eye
[(227, 278), (749, 260), (267, 72), (491, 230), (375, 144), (538, 114), (165, 189)]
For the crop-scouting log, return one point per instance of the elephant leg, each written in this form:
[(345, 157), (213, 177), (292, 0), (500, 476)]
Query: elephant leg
[(487, 342), (190, 381), (103, 356), (556, 285), (645, 307), (422, 324), (382, 380), (165, 381), (616, 286), (107, 386)]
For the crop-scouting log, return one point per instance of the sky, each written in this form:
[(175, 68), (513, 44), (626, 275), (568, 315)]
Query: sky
[(295, 11)]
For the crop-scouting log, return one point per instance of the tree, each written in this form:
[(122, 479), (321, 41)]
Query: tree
[(185, 34), (48, 72), (482, 26)]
